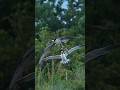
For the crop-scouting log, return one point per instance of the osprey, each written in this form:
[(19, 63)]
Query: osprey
[(28, 61), (62, 40), (64, 59)]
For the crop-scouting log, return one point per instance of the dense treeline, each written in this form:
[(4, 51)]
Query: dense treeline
[(16, 36), (102, 29)]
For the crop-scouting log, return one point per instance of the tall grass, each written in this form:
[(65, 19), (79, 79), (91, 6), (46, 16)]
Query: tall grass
[(56, 76)]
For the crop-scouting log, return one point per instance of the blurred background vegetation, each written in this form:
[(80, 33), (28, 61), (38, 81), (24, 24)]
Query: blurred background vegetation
[(102, 29), (61, 18), (56, 18), (16, 36)]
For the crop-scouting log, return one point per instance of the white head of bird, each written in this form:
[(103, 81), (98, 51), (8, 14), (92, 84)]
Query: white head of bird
[(53, 40)]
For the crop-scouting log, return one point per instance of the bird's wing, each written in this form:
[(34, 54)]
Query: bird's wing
[(49, 46), (64, 39), (28, 62), (28, 77), (43, 61), (72, 50), (45, 53), (99, 52), (31, 50), (49, 58), (68, 37)]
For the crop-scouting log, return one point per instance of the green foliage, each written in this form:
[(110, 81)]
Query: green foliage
[(103, 73), (15, 36), (56, 76)]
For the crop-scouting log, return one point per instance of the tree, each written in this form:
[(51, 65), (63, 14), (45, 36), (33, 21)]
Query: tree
[(56, 18)]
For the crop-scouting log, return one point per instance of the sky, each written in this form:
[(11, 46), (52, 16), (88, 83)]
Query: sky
[(64, 5)]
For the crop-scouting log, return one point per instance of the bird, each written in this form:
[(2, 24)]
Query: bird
[(28, 61), (62, 40), (57, 41), (89, 56), (62, 57)]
